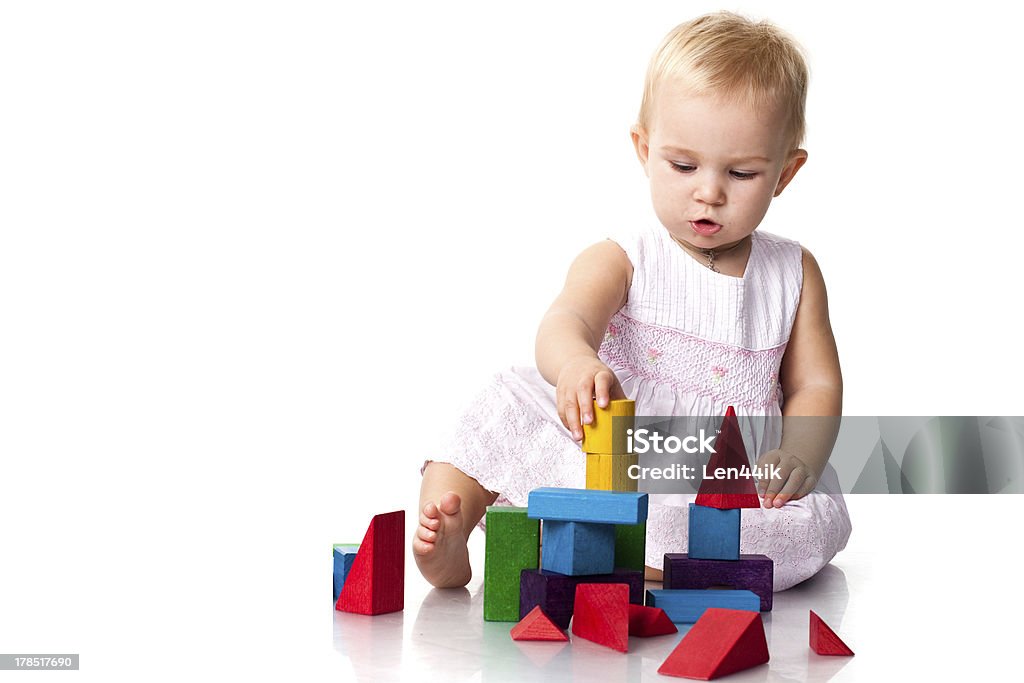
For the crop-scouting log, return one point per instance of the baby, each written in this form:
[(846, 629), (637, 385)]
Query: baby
[(688, 317)]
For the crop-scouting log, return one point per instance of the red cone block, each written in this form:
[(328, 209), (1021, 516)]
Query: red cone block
[(376, 582), (723, 641), (649, 621), (824, 640), (537, 626), (601, 614), (726, 494)]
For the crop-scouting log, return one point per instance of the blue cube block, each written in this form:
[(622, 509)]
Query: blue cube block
[(685, 606), (344, 556), (714, 533), (587, 505), (577, 548)]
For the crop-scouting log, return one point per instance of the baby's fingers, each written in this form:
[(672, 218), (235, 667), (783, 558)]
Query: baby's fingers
[(585, 398), (797, 478), (764, 465), (607, 388), (570, 412), (776, 484)]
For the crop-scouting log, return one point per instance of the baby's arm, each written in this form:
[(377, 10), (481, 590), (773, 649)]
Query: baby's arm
[(812, 385), (572, 330)]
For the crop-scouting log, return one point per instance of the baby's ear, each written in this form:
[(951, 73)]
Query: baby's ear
[(640, 143), (797, 158)]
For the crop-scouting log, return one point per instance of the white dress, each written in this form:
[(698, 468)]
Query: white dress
[(688, 342)]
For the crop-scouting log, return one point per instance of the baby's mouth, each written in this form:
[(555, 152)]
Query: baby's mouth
[(704, 227)]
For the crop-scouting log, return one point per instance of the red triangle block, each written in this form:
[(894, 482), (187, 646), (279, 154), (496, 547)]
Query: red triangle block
[(824, 640), (537, 626), (723, 641), (376, 582), (601, 614), (649, 621), (727, 494)]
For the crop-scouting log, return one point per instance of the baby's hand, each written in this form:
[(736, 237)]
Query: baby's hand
[(580, 382), (794, 478)]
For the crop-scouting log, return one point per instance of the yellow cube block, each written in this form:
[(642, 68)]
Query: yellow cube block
[(602, 436), (610, 472)]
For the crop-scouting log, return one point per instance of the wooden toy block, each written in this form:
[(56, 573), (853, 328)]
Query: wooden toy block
[(537, 626), (649, 621), (722, 642), (631, 546), (376, 582), (601, 614), (824, 640), (687, 606), (578, 548), (730, 454), (512, 544), (752, 572), (556, 593), (714, 533), (344, 556), (607, 433), (583, 505), (607, 472)]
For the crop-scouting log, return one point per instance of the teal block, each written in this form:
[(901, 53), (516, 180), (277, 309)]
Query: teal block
[(344, 556), (578, 548), (714, 533), (588, 505), (684, 606)]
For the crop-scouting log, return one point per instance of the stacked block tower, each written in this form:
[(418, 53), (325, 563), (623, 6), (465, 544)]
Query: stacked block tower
[(590, 536), (713, 560), (608, 461)]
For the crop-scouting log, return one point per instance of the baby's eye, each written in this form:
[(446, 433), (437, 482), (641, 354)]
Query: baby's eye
[(682, 168), (742, 175)]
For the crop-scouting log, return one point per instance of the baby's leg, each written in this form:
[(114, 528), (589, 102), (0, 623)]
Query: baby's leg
[(451, 504)]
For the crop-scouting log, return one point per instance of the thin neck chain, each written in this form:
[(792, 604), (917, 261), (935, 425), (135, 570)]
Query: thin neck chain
[(710, 253)]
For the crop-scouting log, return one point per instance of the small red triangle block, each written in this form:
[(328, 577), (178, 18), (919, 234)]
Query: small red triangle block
[(537, 626), (824, 640), (723, 641), (601, 614), (730, 453), (376, 582), (649, 621)]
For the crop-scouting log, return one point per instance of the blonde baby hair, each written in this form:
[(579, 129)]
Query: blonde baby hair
[(727, 55)]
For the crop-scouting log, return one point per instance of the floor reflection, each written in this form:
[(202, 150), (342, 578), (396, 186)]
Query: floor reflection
[(443, 637)]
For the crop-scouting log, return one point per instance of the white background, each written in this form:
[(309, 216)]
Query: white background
[(256, 256)]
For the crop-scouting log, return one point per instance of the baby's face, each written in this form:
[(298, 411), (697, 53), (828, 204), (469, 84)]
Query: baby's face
[(714, 165)]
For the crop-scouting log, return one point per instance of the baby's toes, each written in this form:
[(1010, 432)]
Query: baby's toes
[(430, 511), (425, 534), (430, 523), (421, 547)]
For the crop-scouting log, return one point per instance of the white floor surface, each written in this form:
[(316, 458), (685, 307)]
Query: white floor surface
[(925, 588)]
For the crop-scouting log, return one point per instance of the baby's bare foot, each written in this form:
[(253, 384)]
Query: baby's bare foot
[(439, 545)]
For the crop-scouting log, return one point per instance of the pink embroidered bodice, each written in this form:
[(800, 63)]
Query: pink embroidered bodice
[(690, 341)]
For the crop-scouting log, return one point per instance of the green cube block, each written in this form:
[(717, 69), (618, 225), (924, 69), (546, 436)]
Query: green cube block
[(630, 546), (513, 544)]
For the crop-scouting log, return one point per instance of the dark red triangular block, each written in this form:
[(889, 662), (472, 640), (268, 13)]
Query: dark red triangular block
[(649, 621), (824, 640), (601, 614), (723, 641), (537, 626), (727, 494), (376, 582)]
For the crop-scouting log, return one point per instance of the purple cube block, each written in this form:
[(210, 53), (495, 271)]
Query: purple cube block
[(751, 572), (556, 593)]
